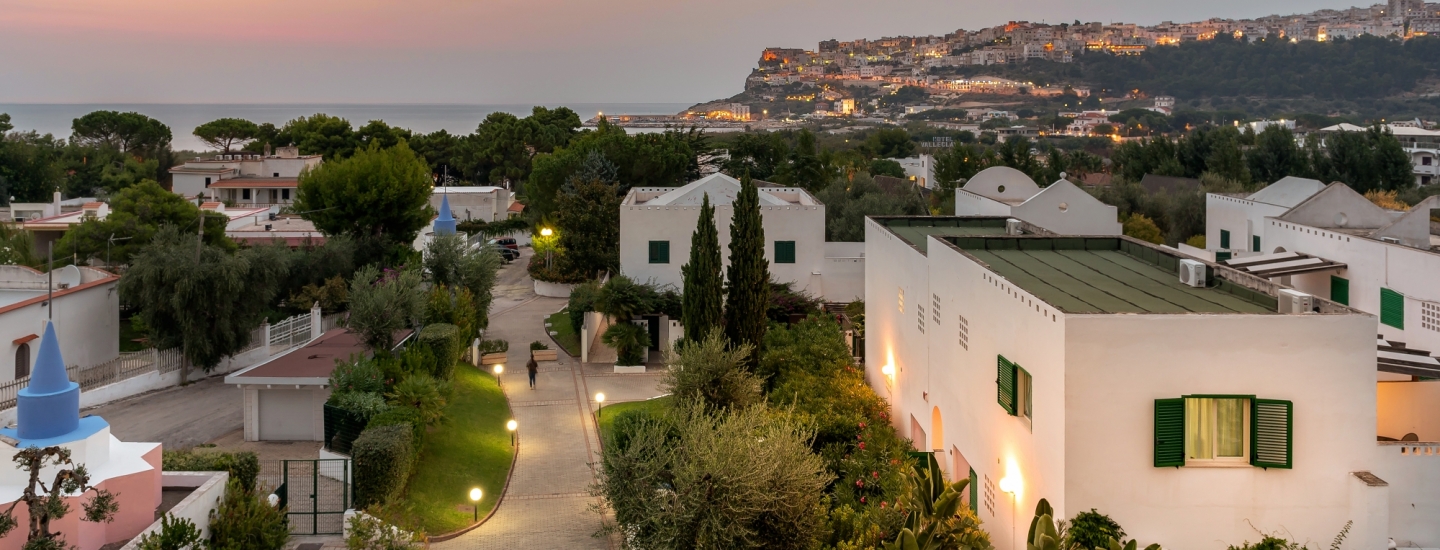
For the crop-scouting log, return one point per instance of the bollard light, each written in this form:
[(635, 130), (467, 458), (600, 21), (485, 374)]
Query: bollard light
[(475, 495), (499, 369), (511, 425)]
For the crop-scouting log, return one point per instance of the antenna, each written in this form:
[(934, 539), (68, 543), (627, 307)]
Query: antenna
[(50, 284)]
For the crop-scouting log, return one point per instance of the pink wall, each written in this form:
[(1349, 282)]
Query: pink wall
[(139, 496)]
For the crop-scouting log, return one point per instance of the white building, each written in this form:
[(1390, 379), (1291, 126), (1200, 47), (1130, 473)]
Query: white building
[(1084, 371), (49, 229), (86, 313), (920, 169), (1235, 226), (244, 178), (485, 203), (1062, 207), (657, 223), (1422, 145)]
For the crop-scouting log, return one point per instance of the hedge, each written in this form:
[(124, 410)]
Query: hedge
[(342, 427), (443, 340), (243, 467), (403, 416), (382, 458)]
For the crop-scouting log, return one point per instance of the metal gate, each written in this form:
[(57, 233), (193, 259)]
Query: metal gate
[(316, 493)]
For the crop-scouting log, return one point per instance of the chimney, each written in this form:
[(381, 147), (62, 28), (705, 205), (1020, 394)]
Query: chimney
[(267, 149)]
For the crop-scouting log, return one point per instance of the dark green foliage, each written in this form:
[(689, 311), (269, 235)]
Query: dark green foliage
[(886, 167), (454, 308), (383, 303), (403, 416), (582, 300), (762, 156), (360, 405), (938, 517), (359, 374), (174, 534), (243, 466), (709, 372), (1275, 156), (631, 342), (503, 145), (227, 133), (245, 521), (208, 305), (138, 212), (320, 134), (538, 345), (704, 282), (443, 341), (1366, 161), (471, 271), (664, 159), (379, 196), (131, 132), (1090, 530), (848, 202), (748, 276), (806, 169), (891, 143), (588, 220), (383, 458), (494, 346), (622, 298), (786, 303)]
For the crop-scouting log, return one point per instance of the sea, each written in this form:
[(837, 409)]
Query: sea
[(55, 118)]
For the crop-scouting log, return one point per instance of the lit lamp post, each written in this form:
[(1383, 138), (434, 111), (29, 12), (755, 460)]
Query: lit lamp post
[(599, 403), (549, 246), (1011, 484), (499, 370), (475, 495), (511, 425)]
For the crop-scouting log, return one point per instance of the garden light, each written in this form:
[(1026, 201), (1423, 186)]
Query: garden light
[(499, 370), (475, 495), (511, 425)]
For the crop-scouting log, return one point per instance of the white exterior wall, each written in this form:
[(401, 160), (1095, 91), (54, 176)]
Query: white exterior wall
[(1069, 210), (191, 184), (843, 275), (641, 224), (1241, 217), (1117, 365), (1370, 265), (970, 204), (87, 323), (489, 207), (892, 336)]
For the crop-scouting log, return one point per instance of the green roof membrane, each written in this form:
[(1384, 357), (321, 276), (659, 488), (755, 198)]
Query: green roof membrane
[(915, 230), (1095, 276)]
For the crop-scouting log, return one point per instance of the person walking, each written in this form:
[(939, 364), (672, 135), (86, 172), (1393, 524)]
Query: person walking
[(532, 367)]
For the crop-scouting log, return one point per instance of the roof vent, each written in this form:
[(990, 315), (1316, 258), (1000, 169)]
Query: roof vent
[(1192, 273), (269, 227), (1012, 227), (1294, 301), (1391, 240)]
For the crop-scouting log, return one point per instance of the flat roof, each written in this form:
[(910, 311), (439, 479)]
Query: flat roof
[(915, 229), (234, 183), (1107, 275)]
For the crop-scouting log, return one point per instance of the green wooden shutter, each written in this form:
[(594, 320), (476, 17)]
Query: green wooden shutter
[(1222, 255), (1224, 239), (1340, 290), (1255, 243), (1005, 384), (784, 252), (1169, 432), (659, 252), (1271, 428), (1392, 308), (974, 492)]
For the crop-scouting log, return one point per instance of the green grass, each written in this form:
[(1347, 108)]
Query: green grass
[(470, 449), (609, 412), (565, 334)]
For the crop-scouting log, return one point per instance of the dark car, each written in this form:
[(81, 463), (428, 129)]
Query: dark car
[(507, 242), (507, 254)]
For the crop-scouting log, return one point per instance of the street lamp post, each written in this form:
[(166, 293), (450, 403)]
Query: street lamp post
[(512, 425), (549, 246), (1011, 485), (499, 370), (475, 495), (599, 403)]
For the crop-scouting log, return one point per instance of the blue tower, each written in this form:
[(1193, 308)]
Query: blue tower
[(48, 409), (445, 224)]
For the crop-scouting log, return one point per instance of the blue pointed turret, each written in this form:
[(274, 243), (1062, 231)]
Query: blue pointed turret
[(49, 406), (445, 224)]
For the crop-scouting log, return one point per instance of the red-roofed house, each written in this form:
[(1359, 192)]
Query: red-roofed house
[(247, 179)]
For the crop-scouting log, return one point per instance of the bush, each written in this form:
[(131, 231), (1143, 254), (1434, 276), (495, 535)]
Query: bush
[(786, 301), (424, 394), (711, 372), (243, 467), (631, 342), (1141, 227), (382, 458), (174, 534), (364, 405), (402, 416), (1090, 530), (443, 340), (246, 521), (494, 346), (368, 532), (414, 360), (455, 307), (538, 345), (582, 301), (359, 374)]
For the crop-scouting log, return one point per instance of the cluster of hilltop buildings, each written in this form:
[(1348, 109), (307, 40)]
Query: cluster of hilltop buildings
[(914, 60), (1282, 381)]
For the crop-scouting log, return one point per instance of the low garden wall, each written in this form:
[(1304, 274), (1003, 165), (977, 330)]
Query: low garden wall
[(553, 290)]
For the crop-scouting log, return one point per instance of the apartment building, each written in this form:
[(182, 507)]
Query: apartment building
[(247, 179)]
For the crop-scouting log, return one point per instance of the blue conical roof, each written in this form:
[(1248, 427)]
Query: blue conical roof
[(445, 224), (49, 375), (49, 407)]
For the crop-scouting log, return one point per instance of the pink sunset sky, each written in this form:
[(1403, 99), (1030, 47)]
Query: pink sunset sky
[(471, 51)]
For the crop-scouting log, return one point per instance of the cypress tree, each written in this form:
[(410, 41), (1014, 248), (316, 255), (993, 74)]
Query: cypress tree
[(704, 286), (748, 293)]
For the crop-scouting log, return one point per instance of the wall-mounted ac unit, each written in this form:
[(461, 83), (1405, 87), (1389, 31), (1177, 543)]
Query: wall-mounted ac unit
[(1012, 227), (1294, 301), (1192, 273)]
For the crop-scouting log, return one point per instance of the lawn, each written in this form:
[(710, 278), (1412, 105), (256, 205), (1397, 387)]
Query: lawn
[(565, 334), (609, 412), (470, 449)]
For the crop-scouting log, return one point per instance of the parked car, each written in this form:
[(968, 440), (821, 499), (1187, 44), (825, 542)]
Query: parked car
[(507, 254), (507, 242)]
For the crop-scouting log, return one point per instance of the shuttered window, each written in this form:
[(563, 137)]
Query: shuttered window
[(1169, 432), (1005, 384), (1255, 243), (974, 492), (1392, 308), (784, 252), (1340, 290), (1224, 239), (659, 252), (1222, 255), (1271, 429)]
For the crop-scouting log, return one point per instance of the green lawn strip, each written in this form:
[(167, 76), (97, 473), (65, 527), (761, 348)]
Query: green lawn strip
[(609, 412), (564, 333), (470, 449)]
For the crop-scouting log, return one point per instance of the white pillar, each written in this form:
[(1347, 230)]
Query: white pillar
[(266, 333), (317, 321)]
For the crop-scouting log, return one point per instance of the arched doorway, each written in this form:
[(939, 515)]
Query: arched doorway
[(937, 430), (22, 361)]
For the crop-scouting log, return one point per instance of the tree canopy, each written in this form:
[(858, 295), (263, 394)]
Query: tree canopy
[(376, 195), (227, 133), (136, 217), (129, 132)]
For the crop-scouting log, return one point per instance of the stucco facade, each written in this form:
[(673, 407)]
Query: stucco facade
[(86, 313), (1062, 207)]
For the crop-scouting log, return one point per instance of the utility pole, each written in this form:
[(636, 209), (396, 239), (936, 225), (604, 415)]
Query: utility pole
[(50, 284)]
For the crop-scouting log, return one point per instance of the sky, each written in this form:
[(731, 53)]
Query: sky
[(474, 51)]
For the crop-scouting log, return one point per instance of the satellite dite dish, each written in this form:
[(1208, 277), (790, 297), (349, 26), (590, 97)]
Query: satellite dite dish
[(67, 277)]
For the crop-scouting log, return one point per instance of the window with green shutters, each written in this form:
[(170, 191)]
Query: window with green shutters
[(1340, 290), (1255, 243), (1005, 384), (784, 252), (1207, 428), (1392, 308), (1224, 239), (1222, 255), (974, 492), (659, 252)]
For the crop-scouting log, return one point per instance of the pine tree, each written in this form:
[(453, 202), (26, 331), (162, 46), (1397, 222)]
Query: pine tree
[(704, 285), (748, 292)]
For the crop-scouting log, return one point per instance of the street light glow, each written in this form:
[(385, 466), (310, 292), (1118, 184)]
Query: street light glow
[(475, 494), (1010, 484), (600, 397), (499, 369), (511, 425), (546, 232)]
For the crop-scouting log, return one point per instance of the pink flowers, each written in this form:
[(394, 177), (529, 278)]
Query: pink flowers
[(860, 482), (862, 445), (862, 425), (875, 475), (882, 504)]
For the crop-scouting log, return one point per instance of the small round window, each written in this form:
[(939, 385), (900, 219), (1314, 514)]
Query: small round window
[(1001, 189), (1341, 219), (1064, 206)]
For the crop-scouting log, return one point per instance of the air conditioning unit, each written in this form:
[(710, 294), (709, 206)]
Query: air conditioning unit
[(1012, 227), (1391, 240), (1294, 301), (1192, 273)]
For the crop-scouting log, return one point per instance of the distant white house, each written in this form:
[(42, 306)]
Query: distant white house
[(485, 203), (1062, 207), (1235, 225), (244, 178), (49, 229), (1422, 145), (86, 312), (657, 223), (919, 169)]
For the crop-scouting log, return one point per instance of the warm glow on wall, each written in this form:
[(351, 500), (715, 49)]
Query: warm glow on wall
[(1012, 482)]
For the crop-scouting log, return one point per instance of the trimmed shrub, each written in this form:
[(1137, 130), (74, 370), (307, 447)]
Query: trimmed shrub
[(494, 346), (443, 341), (403, 416), (538, 345), (424, 394), (243, 467), (383, 458), (359, 374), (364, 405), (246, 521)]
